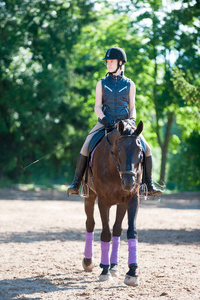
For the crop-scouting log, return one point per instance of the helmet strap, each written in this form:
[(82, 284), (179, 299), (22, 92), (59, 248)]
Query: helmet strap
[(118, 66)]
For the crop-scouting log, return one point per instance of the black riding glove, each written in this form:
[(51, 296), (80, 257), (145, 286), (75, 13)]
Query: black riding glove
[(107, 122)]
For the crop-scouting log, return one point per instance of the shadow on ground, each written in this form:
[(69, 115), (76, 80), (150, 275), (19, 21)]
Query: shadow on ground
[(23, 288), (151, 236)]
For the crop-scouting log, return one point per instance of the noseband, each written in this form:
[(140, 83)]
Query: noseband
[(117, 164)]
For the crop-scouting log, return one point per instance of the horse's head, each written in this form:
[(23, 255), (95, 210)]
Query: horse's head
[(129, 154)]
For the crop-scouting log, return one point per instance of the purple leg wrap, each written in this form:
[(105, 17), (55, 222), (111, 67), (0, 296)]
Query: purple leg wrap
[(88, 244), (132, 248), (105, 246), (115, 250)]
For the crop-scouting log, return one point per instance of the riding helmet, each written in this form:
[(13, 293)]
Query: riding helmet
[(116, 53)]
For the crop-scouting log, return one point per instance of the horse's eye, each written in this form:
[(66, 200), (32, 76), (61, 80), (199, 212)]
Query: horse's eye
[(138, 143)]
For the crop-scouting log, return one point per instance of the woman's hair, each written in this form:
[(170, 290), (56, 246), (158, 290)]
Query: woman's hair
[(122, 68)]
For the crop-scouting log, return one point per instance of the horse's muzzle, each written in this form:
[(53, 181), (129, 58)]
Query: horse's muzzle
[(128, 182)]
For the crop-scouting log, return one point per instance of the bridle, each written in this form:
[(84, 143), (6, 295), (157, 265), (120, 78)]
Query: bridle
[(117, 164)]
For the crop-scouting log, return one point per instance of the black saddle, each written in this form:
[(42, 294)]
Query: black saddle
[(97, 137)]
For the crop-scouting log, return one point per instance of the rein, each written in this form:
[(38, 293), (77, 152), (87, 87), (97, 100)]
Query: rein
[(106, 137), (66, 146)]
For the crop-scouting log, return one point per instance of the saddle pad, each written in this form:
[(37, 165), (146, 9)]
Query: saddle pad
[(91, 155), (96, 139)]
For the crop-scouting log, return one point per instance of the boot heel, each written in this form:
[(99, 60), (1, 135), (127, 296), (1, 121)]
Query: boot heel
[(80, 170)]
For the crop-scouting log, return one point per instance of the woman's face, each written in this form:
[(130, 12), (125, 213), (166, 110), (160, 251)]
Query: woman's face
[(111, 65)]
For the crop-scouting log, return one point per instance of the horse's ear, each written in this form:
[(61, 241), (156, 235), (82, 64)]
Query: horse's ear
[(120, 127), (139, 128)]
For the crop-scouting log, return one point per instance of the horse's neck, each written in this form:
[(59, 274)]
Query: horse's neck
[(112, 139), (110, 151)]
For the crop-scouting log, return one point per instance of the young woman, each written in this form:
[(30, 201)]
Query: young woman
[(114, 94)]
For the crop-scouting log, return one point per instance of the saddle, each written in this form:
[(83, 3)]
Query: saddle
[(95, 140)]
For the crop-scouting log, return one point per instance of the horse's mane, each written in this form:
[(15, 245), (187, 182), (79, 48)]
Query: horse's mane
[(129, 127)]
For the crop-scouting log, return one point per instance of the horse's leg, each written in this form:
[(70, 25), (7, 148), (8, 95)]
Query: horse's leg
[(117, 230), (89, 210), (105, 239), (131, 276)]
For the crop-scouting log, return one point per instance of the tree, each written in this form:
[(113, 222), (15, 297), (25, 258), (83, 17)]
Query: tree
[(186, 174), (37, 100), (50, 63), (167, 33)]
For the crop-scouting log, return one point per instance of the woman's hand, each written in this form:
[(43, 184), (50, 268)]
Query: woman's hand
[(107, 122)]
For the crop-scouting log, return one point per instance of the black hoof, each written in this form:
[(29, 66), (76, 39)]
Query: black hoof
[(105, 275), (132, 271), (131, 278), (105, 271)]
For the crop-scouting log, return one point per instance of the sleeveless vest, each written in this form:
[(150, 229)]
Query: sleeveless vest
[(115, 97)]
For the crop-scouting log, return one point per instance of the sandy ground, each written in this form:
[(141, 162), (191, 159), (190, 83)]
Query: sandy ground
[(42, 242)]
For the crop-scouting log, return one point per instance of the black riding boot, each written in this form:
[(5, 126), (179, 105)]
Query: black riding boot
[(80, 170), (152, 191)]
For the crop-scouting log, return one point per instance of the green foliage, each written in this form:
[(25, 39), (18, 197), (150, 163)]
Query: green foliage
[(185, 171), (38, 99), (168, 35), (50, 62), (189, 92)]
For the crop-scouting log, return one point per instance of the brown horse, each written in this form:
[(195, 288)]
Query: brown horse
[(116, 169)]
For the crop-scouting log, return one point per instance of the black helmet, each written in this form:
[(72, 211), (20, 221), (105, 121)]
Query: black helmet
[(116, 53)]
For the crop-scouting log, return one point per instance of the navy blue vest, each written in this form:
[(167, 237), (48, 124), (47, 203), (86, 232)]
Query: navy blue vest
[(115, 97)]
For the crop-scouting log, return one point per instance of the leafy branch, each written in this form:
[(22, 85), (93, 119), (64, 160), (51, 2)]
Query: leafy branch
[(190, 93)]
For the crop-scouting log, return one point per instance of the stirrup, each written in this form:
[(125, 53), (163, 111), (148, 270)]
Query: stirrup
[(143, 191), (82, 194)]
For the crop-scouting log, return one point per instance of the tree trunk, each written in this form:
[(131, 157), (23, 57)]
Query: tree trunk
[(165, 146)]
